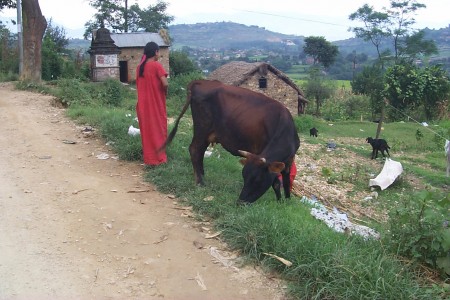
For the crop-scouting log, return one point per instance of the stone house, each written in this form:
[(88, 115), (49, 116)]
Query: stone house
[(263, 78), (131, 47)]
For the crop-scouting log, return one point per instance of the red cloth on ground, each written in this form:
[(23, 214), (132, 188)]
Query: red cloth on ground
[(151, 112), (291, 175)]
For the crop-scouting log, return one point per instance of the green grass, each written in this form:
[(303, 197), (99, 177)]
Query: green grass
[(325, 264)]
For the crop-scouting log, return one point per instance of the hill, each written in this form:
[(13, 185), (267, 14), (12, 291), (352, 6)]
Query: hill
[(225, 35)]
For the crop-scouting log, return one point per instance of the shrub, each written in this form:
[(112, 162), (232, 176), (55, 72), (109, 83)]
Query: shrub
[(419, 229), (304, 123), (112, 92), (72, 92)]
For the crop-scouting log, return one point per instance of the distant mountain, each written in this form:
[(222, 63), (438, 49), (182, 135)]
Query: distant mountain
[(228, 35), (224, 35)]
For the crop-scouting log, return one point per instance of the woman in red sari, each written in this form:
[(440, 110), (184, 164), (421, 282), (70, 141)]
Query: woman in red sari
[(152, 84)]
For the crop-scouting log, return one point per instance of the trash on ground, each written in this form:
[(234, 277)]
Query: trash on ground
[(284, 261), (226, 261), (133, 131), (338, 221), (69, 142), (391, 170), (103, 156)]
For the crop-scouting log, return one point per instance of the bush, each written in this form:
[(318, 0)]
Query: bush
[(72, 92), (419, 229), (304, 123), (112, 92)]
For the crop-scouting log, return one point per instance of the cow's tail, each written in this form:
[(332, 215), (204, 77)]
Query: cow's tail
[(175, 128)]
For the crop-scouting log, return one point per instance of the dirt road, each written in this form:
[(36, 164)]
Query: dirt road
[(74, 226)]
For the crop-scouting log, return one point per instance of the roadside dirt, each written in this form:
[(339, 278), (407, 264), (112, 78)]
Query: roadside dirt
[(74, 226)]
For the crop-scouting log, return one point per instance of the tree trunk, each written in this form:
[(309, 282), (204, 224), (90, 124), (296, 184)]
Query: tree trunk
[(380, 124), (34, 25)]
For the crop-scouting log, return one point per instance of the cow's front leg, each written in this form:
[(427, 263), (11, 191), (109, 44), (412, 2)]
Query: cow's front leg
[(286, 184), (197, 152), (276, 185)]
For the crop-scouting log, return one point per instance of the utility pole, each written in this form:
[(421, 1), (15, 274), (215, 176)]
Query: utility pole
[(20, 36)]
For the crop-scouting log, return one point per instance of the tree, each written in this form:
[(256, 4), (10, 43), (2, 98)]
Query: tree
[(57, 35), (408, 88), (396, 23), (375, 26), (401, 17), (118, 17), (53, 45), (321, 50), (415, 46), (34, 25), (317, 88), (180, 63), (370, 82)]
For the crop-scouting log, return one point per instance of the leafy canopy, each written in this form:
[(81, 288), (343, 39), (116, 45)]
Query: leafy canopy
[(118, 17)]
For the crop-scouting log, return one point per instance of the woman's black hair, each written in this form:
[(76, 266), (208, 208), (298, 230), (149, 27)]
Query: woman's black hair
[(149, 51)]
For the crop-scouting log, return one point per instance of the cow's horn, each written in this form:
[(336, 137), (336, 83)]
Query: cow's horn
[(263, 160), (244, 153)]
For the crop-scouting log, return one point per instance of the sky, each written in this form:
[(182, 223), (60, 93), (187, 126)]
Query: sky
[(327, 18)]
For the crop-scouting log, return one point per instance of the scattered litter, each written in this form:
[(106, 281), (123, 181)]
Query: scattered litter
[(128, 115), (425, 124), (133, 131), (113, 191), (331, 145), (78, 191), (227, 262), (87, 129), (138, 191), (284, 261), (162, 239), (339, 221), (391, 170), (211, 236), (200, 282), (103, 156), (69, 142), (362, 130), (209, 198)]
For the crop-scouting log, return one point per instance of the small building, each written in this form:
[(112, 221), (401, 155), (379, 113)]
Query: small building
[(131, 47), (263, 78), (104, 62)]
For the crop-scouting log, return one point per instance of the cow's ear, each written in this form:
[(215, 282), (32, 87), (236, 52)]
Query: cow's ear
[(276, 167), (243, 161)]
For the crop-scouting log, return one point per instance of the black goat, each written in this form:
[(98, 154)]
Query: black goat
[(378, 145), (313, 132)]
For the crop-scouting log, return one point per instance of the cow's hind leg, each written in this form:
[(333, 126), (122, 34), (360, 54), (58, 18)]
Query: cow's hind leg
[(197, 151)]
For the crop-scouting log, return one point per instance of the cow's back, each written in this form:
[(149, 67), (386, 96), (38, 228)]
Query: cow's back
[(241, 119)]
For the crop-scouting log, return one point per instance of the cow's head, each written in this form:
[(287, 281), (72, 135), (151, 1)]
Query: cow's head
[(258, 176)]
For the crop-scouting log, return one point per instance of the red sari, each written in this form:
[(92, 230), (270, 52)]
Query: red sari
[(151, 112)]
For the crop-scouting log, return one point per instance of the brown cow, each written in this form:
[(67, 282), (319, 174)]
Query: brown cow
[(246, 124)]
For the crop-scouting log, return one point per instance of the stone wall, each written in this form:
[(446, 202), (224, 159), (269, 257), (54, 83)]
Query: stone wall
[(133, 57), (276, 89)]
